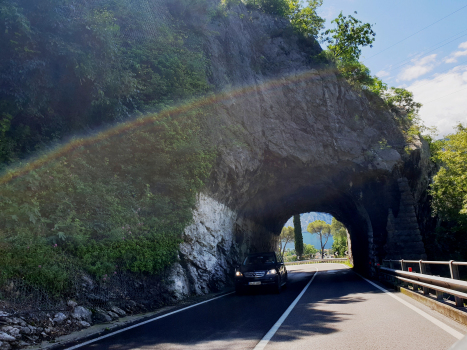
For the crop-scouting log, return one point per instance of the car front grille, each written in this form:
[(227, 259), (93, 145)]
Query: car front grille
[(255, 274)]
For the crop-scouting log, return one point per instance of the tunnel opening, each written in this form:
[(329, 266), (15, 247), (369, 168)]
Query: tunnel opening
[(340, 196), (323, 237)]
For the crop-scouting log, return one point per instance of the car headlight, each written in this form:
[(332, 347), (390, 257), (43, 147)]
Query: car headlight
[(238, 274), (272, 272)]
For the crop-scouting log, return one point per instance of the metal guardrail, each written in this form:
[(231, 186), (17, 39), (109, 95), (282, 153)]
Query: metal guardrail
[(453, 286), (316, 261)]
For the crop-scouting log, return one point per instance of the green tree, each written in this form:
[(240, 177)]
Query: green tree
[(339, 234), (305, 20), (344, 48), (449, 188), (274, 7), (298, 235), (339, 246), (338, 229), (287, 235), (400, 99), (345, 41), (309, 249), (323, 230), (449, 197)]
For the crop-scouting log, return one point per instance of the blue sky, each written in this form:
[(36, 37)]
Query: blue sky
[(431, 63)]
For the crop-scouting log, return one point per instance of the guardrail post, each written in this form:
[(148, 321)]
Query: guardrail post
[(403, 268), (439, 295), (391, 264), (454, 269), (426, 291)]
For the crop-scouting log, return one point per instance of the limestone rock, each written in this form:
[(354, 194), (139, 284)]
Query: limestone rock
[(60, 318), (6, 337), (82, 314), (112, 314), (72, 304), (25, 330), (84, 324), (13, 331), (118, 311), (5, 346), (102, 317)]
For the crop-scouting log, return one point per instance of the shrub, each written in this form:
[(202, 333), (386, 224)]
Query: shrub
[(121, 198)]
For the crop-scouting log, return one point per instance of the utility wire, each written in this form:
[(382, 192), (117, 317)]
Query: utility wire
[(406, 61), (450, 68), (439, 98), (416, 33), (403, 63)]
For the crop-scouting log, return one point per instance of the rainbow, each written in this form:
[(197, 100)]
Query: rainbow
[(147, 120)]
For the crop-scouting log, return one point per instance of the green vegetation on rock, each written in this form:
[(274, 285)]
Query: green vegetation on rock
[(122, 200), (69, 66), (125, 198)]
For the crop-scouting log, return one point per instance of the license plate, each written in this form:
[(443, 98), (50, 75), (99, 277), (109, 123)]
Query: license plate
[(254, 283)]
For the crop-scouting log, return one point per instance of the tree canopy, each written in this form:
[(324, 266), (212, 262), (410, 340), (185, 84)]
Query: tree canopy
[(449, 188), (309, 249), (287, 235), (350, 35), (323, 230), (339, 233), (304, 19)]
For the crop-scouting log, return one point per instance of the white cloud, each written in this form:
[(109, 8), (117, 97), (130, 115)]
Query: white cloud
[(420, 67), (453, 56), (444, 99), (382, 74)]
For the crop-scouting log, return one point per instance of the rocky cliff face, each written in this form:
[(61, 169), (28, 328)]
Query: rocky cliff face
[(293, 137)]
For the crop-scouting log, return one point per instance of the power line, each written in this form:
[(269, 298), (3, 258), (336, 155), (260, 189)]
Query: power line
[(406, 61), (450, 68), (416, 33), (439, 98), (424, 53)]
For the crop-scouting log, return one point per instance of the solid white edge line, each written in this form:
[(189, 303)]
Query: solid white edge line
[(143, 323), (263, 342), (430, 318)]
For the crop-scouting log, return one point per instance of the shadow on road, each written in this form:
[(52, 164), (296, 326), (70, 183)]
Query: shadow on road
[(239, 322)]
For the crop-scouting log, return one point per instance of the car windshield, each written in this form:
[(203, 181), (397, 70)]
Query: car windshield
[(259, 259)]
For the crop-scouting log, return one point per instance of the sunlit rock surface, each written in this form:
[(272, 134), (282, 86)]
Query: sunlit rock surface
[(209, 251)]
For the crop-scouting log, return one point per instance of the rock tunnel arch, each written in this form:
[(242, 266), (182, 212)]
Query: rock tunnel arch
[(276, 160), (293, 137), (300, 148)]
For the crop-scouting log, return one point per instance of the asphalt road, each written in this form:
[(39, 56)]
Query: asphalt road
[(339, 310)]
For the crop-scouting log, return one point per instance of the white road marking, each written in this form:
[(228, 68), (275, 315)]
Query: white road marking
[(262, 344), (430, 318), (145, 322)]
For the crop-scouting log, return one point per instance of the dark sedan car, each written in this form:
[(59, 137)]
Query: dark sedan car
[(261, 269)]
